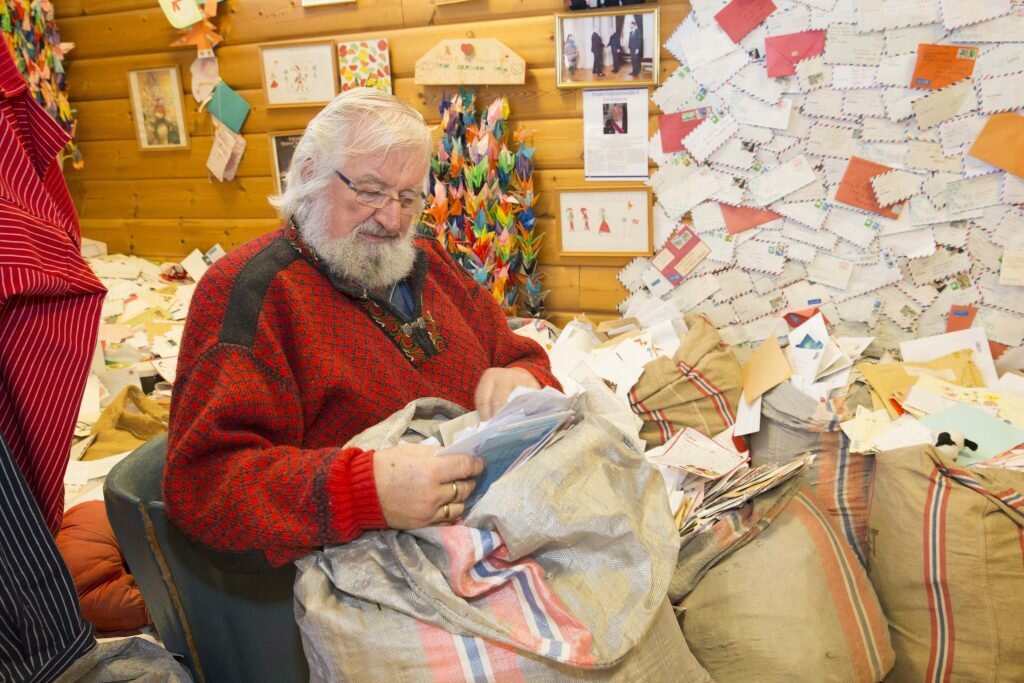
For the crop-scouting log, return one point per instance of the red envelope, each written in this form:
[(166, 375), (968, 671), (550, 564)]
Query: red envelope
[(783, 52), (740, 218), (674, 127), (855, 188), (740, 17), (960, 318)]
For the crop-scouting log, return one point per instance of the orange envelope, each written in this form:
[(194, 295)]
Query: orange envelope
[(1001, 143), (740, 218), (855, 188), (941, 65)]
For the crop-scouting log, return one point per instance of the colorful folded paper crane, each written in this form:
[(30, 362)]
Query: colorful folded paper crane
[(481, 202)]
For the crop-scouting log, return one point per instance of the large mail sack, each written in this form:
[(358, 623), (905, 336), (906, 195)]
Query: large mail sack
[(559, 572), (947, 561), (792, 424), (698, 387), (790, 604)]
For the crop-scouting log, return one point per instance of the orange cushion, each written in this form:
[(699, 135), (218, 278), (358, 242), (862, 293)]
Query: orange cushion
[(108, 594)]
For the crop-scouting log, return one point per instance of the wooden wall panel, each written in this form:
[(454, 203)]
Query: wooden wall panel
[(163, 205)]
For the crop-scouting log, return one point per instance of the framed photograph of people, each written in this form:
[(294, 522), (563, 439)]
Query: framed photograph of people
[(158, 108), (607, 49), (605, 222), (282, 146), (299, 74)]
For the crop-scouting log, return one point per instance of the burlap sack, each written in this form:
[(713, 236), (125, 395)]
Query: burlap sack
[(129, 420), (558, 573), (791, 605), (947, 560), (698, 387), (792, 423)]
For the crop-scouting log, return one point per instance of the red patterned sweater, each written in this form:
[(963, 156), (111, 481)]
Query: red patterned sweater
[(280, 366)]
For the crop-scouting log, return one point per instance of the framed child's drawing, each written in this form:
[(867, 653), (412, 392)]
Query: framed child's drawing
[(605, 222), (299, 74), (158, 108)]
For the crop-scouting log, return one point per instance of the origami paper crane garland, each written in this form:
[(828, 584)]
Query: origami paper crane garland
[(481, 202)]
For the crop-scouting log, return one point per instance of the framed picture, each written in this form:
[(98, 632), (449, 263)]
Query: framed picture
[(282, 146), (158, 108), (605, 222), (607, 49), (299, 74)]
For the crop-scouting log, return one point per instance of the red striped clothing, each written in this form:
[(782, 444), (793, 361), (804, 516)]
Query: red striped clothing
[(49, 298)]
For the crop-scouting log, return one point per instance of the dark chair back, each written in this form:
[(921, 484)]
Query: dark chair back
[(226, 627)]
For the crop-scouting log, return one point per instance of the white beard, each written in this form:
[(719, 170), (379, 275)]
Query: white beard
[(375, 266)]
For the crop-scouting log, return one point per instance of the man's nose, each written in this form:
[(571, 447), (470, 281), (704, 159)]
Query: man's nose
[(390, 216)]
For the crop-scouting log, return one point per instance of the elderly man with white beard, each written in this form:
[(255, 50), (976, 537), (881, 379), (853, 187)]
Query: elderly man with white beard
[(304, 337)]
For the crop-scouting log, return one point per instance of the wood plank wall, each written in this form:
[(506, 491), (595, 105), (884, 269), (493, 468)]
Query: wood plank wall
[(162, 205)]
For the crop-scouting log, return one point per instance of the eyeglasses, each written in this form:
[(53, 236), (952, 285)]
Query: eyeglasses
[(410, 201)]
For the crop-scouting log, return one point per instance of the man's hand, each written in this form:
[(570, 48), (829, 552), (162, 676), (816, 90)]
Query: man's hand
[(496, 384), (416, 487)]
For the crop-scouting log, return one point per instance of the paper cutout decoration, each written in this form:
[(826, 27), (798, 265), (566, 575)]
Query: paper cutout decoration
[(941, 65), (1001, 143), (228, 106), (225, 153), (205, 75), (471, 61), (783, 52), (855, 188), (203, 35), (364, 64), (181, 13)]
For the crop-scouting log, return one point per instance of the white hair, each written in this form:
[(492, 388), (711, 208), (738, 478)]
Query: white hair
[(358, 123)]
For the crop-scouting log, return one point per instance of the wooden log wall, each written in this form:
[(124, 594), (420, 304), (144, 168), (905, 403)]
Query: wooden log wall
[(162, 205)]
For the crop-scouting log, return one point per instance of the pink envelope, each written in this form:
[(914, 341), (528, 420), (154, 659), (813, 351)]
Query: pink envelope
[(783, 52)]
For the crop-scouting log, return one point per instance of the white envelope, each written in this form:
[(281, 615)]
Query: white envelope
[(896, 70), (969, 195), (941, 105), (927, 156), (825, 103), (710, 135), (781, 181), (956, 134), (753, 112), (882, 130), (845, 45), (831, 271), (1001, 93), (895, 186), (957, 13), (831, 141), (899, 41), (877, 15), (860, 103)]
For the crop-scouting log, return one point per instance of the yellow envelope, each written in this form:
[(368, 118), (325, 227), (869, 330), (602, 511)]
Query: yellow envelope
[(1001, 143), (766, 368)]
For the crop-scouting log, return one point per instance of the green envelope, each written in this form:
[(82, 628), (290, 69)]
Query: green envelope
[(228, 106)]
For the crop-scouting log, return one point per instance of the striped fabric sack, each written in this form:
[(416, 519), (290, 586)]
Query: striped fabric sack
[(792, 423), (947, 560), (731, 532), (793, 605), (698, 387), (558, 573)]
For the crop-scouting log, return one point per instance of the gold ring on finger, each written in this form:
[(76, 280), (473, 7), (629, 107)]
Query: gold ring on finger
[(447, 510), (455, 491)]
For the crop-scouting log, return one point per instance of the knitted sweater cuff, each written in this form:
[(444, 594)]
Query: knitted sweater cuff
[(352, 502)]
